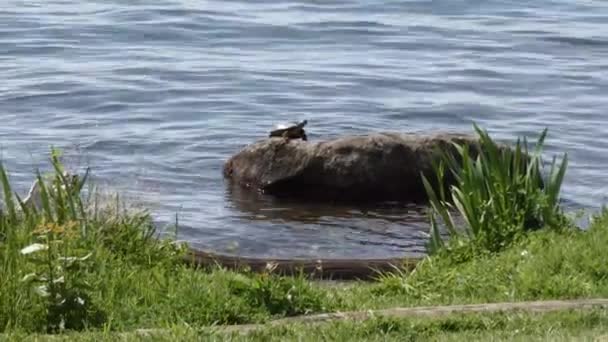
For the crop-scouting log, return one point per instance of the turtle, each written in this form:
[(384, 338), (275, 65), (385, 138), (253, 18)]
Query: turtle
[(290, 130)]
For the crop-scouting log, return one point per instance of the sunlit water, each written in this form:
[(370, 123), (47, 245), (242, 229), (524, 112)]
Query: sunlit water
[(156, 95)]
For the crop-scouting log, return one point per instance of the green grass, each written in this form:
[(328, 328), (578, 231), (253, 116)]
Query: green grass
[(90, 270), (546, 264), (455, 327), (518, 326)]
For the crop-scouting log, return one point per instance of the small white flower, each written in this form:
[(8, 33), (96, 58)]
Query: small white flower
[(524, 253), (42, 291), (30, 276), (71, 259), (271, 266), (35, 247)]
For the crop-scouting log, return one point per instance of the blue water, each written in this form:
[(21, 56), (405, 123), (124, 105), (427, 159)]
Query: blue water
[(156, 95)]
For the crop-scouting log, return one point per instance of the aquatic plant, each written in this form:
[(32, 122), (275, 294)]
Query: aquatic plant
[(499, 192)]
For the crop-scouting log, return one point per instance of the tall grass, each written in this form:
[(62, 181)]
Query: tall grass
[(499, 192), (72, 263), (49, 246)]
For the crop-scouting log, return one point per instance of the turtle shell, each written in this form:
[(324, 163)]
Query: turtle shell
[(278, 129), (285, 126)]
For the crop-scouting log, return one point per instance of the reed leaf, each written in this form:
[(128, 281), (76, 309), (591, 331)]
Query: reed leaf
[(498, 191), (45, 198), (64, 194), (8, 194)]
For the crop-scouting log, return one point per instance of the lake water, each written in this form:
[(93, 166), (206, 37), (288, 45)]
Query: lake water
[(156, 95)]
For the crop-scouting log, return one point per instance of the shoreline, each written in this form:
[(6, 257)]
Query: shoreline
[(75, 270), (322, 268)]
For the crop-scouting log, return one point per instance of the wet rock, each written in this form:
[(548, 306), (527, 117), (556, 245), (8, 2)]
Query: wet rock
[(373, 167)]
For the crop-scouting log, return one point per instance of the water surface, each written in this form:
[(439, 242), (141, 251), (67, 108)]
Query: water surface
[(155, 96)]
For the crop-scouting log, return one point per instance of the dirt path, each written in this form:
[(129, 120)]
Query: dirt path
[(412, 312), (428, 311)]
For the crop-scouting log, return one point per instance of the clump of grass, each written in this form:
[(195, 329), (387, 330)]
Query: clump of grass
[(57, 265), (285, 296), (68, 264), (49, 249), (499, 192)]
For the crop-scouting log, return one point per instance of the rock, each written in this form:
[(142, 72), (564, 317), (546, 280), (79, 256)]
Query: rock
[(378, 166)]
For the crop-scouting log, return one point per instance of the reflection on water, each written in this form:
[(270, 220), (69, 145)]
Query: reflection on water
[(391, 227)]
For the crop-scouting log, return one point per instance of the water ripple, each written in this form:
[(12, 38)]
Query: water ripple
[(155, 96)]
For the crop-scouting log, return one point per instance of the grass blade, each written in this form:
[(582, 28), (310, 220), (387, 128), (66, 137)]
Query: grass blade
[(8, 194)]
